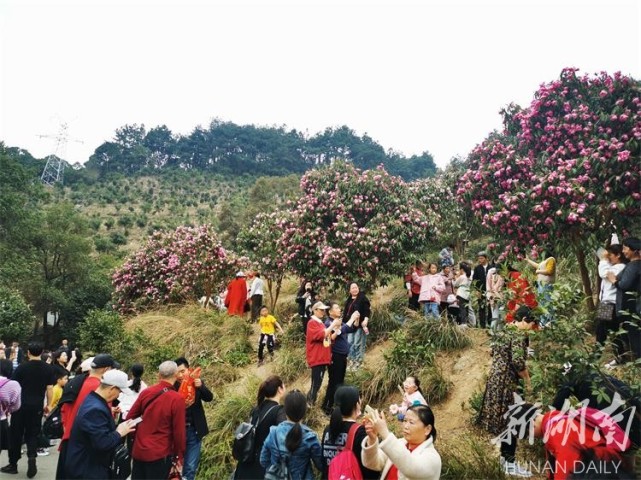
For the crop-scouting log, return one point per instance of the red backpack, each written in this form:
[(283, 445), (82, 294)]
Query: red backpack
[(344, 466)]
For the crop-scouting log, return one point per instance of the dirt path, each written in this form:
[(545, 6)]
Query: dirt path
[(467, 370)]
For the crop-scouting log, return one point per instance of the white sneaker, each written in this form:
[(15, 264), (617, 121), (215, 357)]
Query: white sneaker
[(516, 470), (43, 452)]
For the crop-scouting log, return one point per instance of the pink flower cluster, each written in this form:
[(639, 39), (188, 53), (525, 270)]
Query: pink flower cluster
[(172, 267), (354, 225), (564, 167)]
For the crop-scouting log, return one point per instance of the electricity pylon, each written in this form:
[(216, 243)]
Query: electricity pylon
[(55, 167)]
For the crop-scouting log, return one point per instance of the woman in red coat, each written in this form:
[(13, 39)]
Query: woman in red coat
[(236, 295)]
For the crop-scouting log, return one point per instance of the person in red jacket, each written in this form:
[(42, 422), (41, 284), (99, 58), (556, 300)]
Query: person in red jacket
[(572, 436), (318, 347), (160, 437), (236, 297)]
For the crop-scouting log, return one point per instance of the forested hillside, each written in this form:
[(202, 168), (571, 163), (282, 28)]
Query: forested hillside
[(230, 149)]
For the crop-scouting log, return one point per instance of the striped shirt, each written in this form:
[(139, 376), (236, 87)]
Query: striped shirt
[(10, 391)]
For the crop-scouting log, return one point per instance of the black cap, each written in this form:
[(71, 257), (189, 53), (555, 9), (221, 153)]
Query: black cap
[(104, 360)]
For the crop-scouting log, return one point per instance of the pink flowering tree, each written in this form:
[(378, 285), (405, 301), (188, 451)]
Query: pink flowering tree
[(173, 267), (262, 244), (564, 169), (352, 225), (455, 221)]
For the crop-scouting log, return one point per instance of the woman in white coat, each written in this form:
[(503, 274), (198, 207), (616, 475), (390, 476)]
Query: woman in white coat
[(411, 458)]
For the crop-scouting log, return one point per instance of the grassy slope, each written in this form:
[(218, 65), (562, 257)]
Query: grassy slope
[(215, 342)]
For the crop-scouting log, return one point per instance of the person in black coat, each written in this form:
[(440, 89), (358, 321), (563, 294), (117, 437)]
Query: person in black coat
[(195, 421), (479, 278), (267, 413)]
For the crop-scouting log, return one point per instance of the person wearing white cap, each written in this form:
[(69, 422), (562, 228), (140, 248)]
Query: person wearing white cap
[(94, 435), (236, 298), (318, 347), (78, 391)]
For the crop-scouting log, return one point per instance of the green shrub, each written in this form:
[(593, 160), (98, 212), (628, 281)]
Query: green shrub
[(103, 331), (103, 244), (118, 238), (16, 319), (109, 223), (441, 334)]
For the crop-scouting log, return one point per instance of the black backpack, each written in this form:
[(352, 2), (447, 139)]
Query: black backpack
[(52, 426), (120, 466), (244, 439)]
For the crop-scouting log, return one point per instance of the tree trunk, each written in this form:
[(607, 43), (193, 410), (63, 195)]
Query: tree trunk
[(585, 274)]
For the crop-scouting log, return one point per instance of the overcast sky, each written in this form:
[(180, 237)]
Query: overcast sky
[(414, 75)]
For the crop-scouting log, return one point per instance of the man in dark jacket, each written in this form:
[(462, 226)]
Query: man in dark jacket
[(94, 435), (195, 421), (479, 278)]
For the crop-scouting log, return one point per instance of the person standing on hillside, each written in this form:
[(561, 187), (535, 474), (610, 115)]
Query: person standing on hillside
[(256, 293), (545, 278), (36, 379), (317, 347), (413, 287), (340, 351), (479, 281), (195, 420), (628, 296), (236, 295), (357, 301)]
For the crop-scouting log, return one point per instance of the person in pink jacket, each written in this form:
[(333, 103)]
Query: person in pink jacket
[(432, 285)]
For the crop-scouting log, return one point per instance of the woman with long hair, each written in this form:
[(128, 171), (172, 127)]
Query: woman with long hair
[(61, 362), (344, 419), (411, 457), (267, 413), (357, 301), (136, 385), (293, 441), (305, 298)]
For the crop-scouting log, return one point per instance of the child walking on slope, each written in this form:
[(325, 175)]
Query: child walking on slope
[(267, 323)]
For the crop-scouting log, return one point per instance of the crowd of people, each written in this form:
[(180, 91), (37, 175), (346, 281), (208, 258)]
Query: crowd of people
[(102, 407)]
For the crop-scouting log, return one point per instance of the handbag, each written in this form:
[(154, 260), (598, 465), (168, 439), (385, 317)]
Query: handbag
[(280, 469), (605, 312), (244, 439)]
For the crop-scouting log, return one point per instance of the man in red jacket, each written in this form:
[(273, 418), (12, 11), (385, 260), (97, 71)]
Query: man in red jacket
[(160, 437), (318, 347)]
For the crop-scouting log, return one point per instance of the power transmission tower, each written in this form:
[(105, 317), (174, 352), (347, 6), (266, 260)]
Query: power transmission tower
[(55, 167)]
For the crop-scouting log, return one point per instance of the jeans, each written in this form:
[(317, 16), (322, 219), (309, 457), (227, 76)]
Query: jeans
[(192, 454), (544, 296), (357, 340), (430, 309)]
